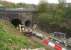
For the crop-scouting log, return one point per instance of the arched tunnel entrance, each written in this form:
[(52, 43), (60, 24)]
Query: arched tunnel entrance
[(16, 22), (27, 23)]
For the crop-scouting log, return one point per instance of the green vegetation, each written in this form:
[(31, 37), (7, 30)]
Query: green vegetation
[(5, 4), (55, 17), (9, 40)]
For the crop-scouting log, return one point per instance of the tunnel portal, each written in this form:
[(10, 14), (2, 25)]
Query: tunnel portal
[(27, 23), (16, 22)]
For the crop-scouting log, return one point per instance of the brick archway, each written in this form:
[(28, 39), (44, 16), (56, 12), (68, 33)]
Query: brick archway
[(27, 23)]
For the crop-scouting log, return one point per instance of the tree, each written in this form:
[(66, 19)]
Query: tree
[(51, 16), (42, 7), (20, 5)]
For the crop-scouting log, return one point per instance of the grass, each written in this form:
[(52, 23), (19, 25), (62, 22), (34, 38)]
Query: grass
[(10, 41)]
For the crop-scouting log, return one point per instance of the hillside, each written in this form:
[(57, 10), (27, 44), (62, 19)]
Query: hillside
[(9, 40), (5, 4)]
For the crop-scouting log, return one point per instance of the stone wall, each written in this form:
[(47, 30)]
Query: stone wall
[(21, 15)]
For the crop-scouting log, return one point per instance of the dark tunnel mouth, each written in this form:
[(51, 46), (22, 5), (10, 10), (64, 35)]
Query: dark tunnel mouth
[(27, 23), (16, 22)]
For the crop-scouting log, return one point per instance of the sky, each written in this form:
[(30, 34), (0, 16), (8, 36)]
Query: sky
[(34, 1)]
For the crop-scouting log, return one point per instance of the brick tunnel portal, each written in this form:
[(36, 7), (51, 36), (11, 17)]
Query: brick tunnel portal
[(16, 22), (16, 16), (27, 23)]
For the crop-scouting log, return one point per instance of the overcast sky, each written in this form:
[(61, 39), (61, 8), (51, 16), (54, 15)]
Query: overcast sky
[(34, 1)]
